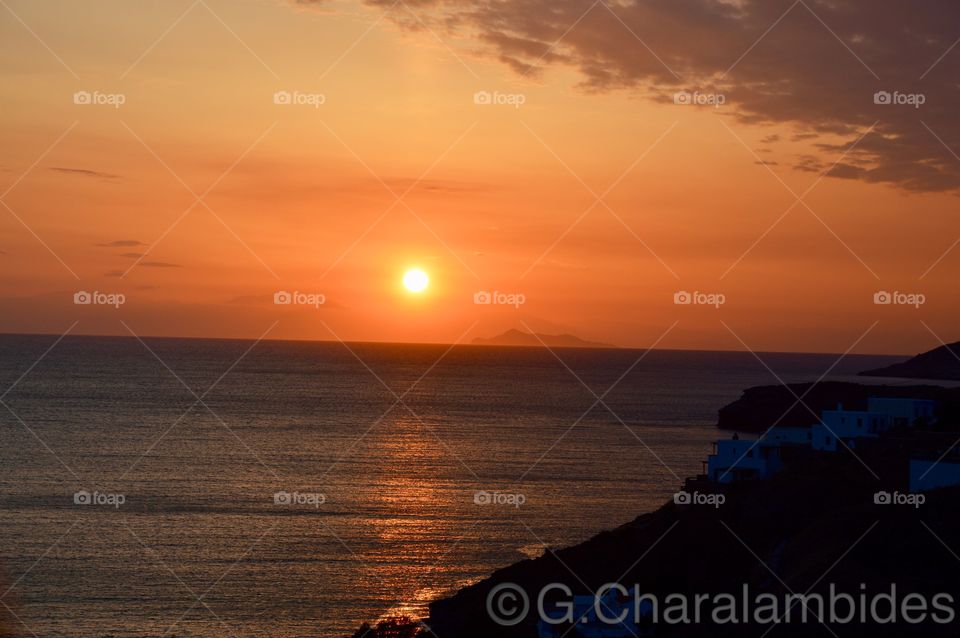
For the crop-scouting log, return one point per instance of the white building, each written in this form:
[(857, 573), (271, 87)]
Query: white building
[(902, 411), (841, 428), (929, 474), (750, 459), (785, 436), (742, 460)]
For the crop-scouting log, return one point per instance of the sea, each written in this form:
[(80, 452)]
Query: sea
[(210, 488)]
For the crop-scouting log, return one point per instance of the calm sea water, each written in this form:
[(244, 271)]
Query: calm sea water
[(396, 440)]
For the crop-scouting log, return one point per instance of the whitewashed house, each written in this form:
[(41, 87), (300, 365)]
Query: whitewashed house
[(786, 436), (841, 428), (903, 411), (752, 459), (742, 460), (929, 474)]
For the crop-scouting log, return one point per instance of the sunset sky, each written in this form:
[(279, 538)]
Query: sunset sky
[(585, 187)]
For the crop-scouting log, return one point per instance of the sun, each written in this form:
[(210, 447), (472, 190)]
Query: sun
[(415, 280)]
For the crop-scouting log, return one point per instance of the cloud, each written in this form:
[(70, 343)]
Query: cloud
[(83, 172), (121, 243), (815, 65), (810, 164), (159, 264), (402, 184), (316, 6)]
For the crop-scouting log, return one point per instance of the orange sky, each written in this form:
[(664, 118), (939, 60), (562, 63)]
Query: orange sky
[(501, 197)]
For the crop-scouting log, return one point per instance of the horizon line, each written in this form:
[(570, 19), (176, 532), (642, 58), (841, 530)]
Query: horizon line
[(448, 344)]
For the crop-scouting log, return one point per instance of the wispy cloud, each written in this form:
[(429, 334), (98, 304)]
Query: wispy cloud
[(121, 243), (83, 172)]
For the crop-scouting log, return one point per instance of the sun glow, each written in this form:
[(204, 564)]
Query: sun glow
[(415, 280)]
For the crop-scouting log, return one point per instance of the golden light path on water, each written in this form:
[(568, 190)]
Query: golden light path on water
[(400, 524)]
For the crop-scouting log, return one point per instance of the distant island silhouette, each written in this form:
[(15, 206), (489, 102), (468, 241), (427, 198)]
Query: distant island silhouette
[(519, 338), (939, 363)]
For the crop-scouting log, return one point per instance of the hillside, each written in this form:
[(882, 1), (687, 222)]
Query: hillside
[(796, 532), (939, 363)]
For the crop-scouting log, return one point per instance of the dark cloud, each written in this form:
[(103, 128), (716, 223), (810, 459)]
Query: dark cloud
[(847, 171), (319, 6), (121, 243), (83, 172), (812, 64), (810, 164)]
